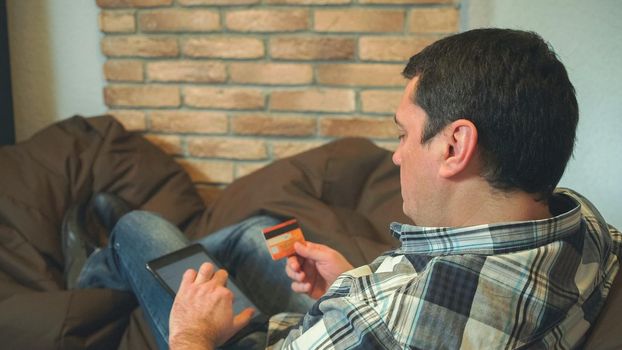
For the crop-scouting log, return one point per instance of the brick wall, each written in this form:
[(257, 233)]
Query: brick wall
[(227, 86)]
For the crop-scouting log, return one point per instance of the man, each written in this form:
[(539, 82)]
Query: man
[(498, 260)]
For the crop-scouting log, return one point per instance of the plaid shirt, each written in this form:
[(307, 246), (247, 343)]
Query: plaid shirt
[(535, 284)]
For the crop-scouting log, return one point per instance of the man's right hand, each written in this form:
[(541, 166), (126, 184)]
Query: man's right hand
[(202, 315), (315, 268)]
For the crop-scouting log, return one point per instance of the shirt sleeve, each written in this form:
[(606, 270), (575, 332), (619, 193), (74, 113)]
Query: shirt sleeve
[(343, 324), (279, 327), (616, 238)]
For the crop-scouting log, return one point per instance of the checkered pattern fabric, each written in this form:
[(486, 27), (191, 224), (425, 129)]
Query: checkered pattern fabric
[(537, 284)]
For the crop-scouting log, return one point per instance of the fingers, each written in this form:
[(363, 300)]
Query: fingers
[(220, 277), (294, 263), (301, 287), (205, 273), (187, 278), (293, 270), (242, 319)]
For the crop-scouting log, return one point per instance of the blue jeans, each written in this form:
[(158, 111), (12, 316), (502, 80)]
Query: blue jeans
[(141, 236)]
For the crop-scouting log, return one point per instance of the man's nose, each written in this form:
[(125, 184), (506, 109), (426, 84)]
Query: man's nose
[(397, 160)]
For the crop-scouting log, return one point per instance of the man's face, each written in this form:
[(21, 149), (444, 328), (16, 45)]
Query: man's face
[(418, 166)]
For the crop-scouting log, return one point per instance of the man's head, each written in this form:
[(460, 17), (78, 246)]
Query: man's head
[(513, 88), (510, 85)]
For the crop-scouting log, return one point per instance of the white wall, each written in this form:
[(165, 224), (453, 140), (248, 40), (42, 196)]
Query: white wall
[(587, 36), (56, 62)]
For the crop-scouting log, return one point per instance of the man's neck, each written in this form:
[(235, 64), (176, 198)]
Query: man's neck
[(484, 205)]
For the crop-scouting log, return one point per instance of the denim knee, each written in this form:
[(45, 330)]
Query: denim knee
[(261, 220), (144, 230), (244, 237), (255, 225)]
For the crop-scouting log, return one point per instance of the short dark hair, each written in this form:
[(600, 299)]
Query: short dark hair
[(512, 86)]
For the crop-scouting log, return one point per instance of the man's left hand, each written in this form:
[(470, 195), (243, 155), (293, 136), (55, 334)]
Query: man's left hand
[(202, 314)]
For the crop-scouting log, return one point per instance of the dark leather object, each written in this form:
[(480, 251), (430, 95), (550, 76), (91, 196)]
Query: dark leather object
[(76, 243), (109, 208), (606, 333), (86, 226)]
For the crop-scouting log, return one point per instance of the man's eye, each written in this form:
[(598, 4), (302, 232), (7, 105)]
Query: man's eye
[(400, 137)]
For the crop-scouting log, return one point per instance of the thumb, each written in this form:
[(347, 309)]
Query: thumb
[(310, 250), (242, 319)]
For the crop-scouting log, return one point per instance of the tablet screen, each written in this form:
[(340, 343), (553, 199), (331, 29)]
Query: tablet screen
[(174, 271), (169, 270)]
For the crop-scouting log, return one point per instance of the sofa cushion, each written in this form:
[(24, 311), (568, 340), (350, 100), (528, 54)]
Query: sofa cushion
[(604, 333), (41, 177)]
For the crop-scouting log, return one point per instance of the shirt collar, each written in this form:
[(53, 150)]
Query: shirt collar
[(488, 239)]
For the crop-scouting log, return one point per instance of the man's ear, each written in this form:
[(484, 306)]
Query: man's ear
[(460, 144)]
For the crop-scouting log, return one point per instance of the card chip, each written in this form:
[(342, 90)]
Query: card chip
[(280, 239)]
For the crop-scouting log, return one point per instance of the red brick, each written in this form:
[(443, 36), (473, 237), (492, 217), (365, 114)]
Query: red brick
[(217, 2), (141, 96), (319, 100), (123, 70), (434, 20), (132, 3), (187, 71), (140, 46), (208, 171), (176, 20), (383, 48), (189, 121), (268, 20), (380, 101), (307, 2), (243, 169), (224, 47), (227, 148), (358, 126), (117, 22), (312, 48), (270, 73), (261, 124), (131, 120), (361, 74), (169, 144), (224, 98), (359, 20)]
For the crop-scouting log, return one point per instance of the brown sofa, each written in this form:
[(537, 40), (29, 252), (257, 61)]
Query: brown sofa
[(344, 194)]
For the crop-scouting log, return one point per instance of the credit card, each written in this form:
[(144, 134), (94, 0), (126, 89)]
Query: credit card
[(280, 238)]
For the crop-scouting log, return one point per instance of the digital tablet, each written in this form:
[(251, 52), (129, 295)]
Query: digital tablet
[(169, 270)]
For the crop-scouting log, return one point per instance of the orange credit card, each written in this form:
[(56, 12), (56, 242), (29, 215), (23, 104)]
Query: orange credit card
[(280, 239)]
